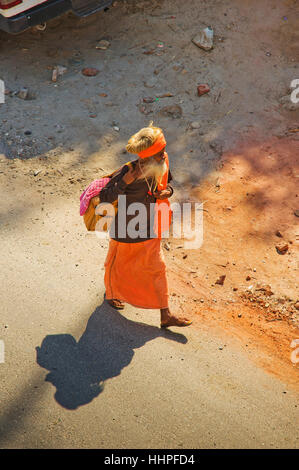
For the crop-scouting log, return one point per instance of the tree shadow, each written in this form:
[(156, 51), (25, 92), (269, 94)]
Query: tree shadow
[(78, 370)]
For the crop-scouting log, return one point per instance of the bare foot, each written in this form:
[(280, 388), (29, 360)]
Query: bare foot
[(167, 319), (115, 303)]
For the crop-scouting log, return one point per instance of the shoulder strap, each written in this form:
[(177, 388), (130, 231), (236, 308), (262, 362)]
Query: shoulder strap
[(116, 172)]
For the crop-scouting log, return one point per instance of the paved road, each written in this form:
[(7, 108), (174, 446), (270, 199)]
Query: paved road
[(79, 374)]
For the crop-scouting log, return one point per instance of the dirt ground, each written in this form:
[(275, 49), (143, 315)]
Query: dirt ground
[(235, 149)]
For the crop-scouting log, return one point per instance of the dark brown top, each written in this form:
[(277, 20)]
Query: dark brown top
[(137, 191)]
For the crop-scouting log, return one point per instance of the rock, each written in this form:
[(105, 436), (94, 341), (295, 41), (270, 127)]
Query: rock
[(248, 278), (165, 95), (296, 213), (28, 132), (266, 290), (185, 256), (103, 45), (296, 305), (203, 89), (195, 125), (150, 83), (58, 71), (220, 281), (23, 93), (90, 72), (116, 128), (37, 172), (278, 234), (148, 99), (166, 246), (204, 39), (175, 111), (239, 315), (144, 109), (282, 249)]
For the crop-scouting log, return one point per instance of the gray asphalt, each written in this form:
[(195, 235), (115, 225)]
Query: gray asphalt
[(78, 374)]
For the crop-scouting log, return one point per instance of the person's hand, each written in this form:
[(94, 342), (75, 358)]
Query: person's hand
[(163, 194), (132, 174)]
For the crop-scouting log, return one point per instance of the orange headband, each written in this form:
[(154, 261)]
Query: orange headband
[(155, 148)]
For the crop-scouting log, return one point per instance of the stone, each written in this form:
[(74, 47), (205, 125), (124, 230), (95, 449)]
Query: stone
[(23, 93), (282, 249), (150, 83), (58, 71), (266, 290), (204, 39), (195, 125), (203, 89), (165, 95), (90, 71), (148, 99), (103, 45), (220, 281), (175, 111)]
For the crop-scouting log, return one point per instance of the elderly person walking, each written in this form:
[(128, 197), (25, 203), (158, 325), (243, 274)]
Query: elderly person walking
[(135, 270)]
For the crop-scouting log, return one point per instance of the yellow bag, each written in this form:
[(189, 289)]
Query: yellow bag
[(90, 217)]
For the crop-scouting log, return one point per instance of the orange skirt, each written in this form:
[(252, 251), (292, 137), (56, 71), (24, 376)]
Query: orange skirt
[(136, 274)]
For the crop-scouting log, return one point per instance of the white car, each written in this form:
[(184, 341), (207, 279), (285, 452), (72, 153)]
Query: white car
[(18, 15)]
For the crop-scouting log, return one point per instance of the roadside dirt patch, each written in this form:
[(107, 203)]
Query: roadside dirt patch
[(238, 281)]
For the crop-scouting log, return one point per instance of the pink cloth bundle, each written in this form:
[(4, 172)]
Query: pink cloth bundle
[(91, 191)]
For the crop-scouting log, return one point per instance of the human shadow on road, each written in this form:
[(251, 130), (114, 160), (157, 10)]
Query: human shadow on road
[(78, 370)]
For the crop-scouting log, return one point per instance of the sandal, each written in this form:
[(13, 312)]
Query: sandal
[(115, 303), (173, 321)]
